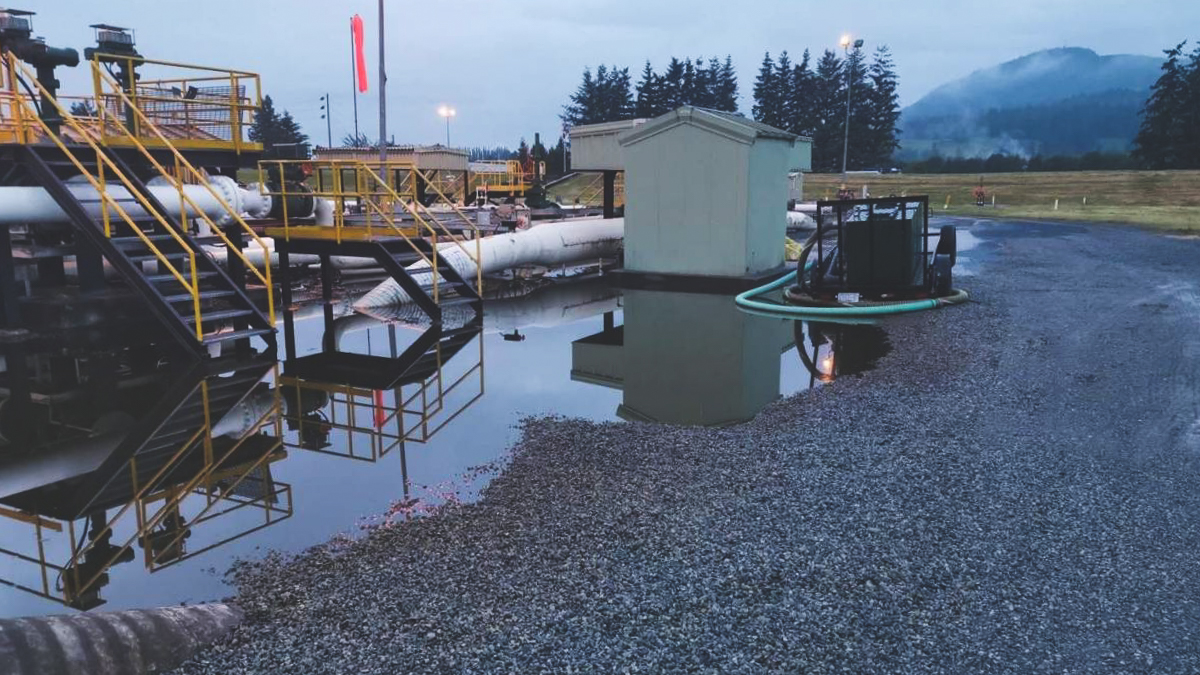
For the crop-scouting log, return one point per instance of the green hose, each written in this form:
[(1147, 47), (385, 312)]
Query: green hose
[(747, 301)]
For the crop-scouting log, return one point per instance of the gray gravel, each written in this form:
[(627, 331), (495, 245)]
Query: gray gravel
[(1014, 489)]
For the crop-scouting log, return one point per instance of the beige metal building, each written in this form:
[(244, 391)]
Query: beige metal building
[(707, 193)]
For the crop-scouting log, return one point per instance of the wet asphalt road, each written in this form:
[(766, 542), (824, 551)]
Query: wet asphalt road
[(1015, 488)]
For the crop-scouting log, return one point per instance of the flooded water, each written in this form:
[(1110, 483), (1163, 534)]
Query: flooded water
[(363, 418)]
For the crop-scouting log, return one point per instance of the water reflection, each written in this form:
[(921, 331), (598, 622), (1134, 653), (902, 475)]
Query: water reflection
[(685, 358), (116, 458), (95, 483), (834, 350)]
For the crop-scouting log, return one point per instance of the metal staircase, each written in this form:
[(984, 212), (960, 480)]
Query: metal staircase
[(191, 294)]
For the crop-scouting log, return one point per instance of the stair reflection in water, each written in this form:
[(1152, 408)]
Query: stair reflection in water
[(202, 453), (381, 401)]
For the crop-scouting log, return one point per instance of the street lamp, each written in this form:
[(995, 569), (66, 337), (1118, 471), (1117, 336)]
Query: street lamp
[(447, 112), (847, 43)]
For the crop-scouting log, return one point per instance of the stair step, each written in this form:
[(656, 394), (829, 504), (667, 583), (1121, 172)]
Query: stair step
[(204, 295), (236, 335), (174, 255), (160, 278), (134, 240), (217, 316)]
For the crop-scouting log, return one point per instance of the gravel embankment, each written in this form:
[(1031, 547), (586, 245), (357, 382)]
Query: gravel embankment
[(1014, 489)]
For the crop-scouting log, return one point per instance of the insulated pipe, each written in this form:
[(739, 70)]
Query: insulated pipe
[(35, 205), (112, 643), (545, 308), (547, 244)]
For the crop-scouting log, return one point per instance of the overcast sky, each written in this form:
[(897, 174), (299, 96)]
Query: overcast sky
[(508, 67)]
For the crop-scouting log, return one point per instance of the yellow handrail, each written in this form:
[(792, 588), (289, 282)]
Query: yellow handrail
[(149, 96), (470, 223), (177, 181), (25, 111), (414, 212)]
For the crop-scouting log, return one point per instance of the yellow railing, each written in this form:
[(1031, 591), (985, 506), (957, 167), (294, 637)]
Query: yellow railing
[(593, 192), (184, 170), (30, 126), (388, 418), (355, 184), (197, 107), (505, 175), (149, 491)]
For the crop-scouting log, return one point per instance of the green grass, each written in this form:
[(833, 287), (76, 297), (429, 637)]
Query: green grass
[(1166, 200)]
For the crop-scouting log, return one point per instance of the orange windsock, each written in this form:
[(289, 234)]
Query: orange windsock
[(360, 57)]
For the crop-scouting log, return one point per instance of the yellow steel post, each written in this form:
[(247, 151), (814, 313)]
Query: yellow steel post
[(98, 92), (235, 113), (195, 290), (103, 203), (208, 447)]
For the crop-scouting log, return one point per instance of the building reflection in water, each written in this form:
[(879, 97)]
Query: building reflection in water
[(686, 358)]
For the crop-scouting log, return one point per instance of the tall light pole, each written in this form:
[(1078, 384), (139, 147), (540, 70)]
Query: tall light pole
[(447, 112), (846, 44), (326, 114), (383, 144), (354, 78)]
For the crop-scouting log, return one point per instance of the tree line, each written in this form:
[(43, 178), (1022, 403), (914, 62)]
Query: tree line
[(1169, 136), (797, 97), (811, 101), (609, 95), (1007, 163)]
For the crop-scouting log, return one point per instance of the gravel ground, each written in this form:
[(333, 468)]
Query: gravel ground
[(1014, 489)]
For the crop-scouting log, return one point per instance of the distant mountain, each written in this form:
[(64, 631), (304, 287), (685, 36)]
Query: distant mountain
[(1058, 101)]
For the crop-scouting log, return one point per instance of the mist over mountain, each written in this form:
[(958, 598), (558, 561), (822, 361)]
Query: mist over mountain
[(1057, 101)]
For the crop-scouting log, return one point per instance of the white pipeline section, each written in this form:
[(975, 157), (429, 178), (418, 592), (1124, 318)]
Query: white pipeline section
[(549, 244), (35, 205), (554, 306)]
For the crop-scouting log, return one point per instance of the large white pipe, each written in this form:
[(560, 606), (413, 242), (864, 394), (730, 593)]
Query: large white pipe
[(547, 244), (553, 306), (35, 205)]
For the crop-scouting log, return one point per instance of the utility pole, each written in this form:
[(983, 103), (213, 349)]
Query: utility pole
[(326, 115), (383, 150), (354, 80)]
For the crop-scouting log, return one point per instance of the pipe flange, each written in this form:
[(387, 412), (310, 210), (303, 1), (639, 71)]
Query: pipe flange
[(255, 201), (227, 188)]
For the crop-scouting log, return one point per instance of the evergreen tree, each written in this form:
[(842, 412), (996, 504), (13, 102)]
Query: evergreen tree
[(649, 97), (672, 85), (618, 96), (803, 97), (884, 108), (859, 154), (271, 129), (828, 114), (605, 97), (727, 87), (784, 114), (359, 141), (766, 98), (1162, 136), (687, 88), (1190, 145), (583, 104)]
